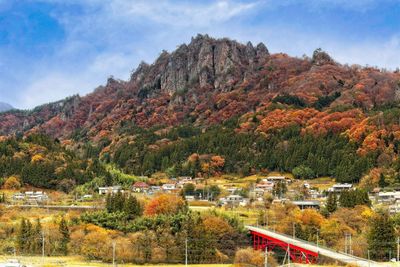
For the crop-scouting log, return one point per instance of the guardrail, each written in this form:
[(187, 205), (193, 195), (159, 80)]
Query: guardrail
[(312, 244)]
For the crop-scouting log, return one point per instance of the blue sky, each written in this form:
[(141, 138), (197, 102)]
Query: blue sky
[(50, 49)]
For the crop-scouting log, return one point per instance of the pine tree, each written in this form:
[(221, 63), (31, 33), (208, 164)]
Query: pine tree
[(28, 237), (37, 232), (382, 181), (65, 237), (21, 236), (118, 201), (132, 207), (331, 203), (109, 203), (381, 236)]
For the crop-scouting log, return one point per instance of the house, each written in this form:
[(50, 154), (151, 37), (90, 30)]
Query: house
[(110, 190), (168, 187), (140, 187), (265, 186), (19, 196), (314, 194), (276, 179), (32, 197), (234, 200), (36, 197), (155, 188), (388, 197), (337, 188), (307, 204)]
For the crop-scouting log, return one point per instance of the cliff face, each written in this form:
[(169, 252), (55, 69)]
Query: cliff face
[(205, 62), (204, 82)]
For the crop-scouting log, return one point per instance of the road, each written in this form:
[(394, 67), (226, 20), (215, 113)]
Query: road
[(56, 207), (342, 257)]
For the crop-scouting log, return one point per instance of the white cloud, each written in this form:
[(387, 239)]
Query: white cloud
[(111, 37)]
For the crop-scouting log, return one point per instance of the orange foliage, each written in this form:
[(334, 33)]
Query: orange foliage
[(164, 204)]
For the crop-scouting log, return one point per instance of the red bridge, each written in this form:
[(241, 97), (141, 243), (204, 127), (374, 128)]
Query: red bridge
[(301, 251)]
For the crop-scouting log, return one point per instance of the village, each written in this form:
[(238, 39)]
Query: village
[(229, 195)]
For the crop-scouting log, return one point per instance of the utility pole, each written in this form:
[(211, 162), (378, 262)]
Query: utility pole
[(398, 249), (113, 245), (369, 263), (186, 252), (294, 230), (350, 245), (43, 247), (266, 257), (288, 249)]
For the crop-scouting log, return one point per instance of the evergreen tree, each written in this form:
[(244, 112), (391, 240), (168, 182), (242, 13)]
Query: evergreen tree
[(331, 203), (382, 181), (132, 207), (280, 189), (109, 203), (118, 200), (28, 237), (22, 236), (381, 236), (37, 232), (65, 237)]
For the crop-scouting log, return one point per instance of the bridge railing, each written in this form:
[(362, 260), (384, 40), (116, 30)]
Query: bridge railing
[(310, 243)]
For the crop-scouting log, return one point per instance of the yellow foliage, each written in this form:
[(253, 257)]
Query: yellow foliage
[(37, 158), (12, 182)]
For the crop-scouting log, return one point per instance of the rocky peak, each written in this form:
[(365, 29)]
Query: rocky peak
[(205, 62), (320, 57)]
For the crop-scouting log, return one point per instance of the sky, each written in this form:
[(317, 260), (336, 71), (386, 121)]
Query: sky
[(51, 49)]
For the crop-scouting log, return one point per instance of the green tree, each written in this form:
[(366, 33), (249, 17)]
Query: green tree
[(280, 189), (22, 236), (37, 232), (132, 207), (303, 172), (65, 236), (382, 181), (381, 236), (331, 203)]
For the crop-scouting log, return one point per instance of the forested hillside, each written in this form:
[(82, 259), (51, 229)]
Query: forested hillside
[(217, 106), (40, 161)]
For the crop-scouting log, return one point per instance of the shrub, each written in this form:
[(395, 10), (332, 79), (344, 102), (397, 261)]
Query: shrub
[(12, 182)]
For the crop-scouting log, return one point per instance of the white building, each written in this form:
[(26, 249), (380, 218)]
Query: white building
[(110, 190), (337, 188), (234, 200), (32, 197), (168, 187), (388, 197)]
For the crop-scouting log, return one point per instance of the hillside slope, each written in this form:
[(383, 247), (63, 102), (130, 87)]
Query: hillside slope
[(217, 106), (206, 82)]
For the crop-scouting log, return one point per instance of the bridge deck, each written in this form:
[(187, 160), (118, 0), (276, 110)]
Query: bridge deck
[(339, 256)]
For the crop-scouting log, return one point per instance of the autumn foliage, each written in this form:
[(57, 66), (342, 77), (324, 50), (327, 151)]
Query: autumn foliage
[(166, 204)]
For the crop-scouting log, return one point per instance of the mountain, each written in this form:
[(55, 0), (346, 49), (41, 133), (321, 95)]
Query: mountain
[(206, 82), (216, 105), (5, 107)]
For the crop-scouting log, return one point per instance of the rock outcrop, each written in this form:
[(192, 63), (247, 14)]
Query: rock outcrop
[(205, 82)]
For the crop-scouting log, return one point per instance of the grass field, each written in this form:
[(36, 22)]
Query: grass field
[(80, 262)]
